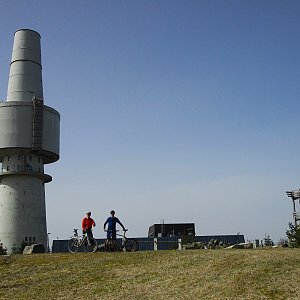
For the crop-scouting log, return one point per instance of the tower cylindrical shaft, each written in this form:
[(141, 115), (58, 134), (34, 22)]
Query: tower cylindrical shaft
[(25, 76), (29, 138), (23, 211)]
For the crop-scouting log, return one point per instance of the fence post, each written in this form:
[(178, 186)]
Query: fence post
[(255, 243), (179, 244), (155, 244)]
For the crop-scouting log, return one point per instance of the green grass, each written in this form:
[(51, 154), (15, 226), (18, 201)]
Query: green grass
[(192, 274)]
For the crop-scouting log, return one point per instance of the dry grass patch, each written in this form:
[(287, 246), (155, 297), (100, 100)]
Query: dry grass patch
[(193, 274)]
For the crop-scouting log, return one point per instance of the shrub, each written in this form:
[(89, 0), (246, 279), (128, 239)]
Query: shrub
[(283, 242), (268, 241), (3, 250), (293, 235)]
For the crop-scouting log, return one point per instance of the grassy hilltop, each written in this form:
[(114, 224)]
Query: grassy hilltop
[(192, 274)]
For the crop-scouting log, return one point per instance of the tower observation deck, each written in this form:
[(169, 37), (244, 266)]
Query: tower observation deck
[(29, 138)]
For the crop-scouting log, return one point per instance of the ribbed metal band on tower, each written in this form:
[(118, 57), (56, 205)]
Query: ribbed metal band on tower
[(29, 138)]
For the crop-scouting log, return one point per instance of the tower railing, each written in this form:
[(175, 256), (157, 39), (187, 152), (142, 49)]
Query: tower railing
[(295, 196)]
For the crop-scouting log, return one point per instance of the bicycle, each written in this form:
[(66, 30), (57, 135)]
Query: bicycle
[(83, 242), (127, 244)]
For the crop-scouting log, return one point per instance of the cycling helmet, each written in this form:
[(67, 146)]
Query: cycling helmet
[(112, 212)]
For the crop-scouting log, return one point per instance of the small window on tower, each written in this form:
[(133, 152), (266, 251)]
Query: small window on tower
[(33, 238), (30, 239), (7, 168), (26, 238)]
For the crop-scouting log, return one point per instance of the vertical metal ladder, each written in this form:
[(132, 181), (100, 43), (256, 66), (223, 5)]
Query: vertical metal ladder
[(37, 124)]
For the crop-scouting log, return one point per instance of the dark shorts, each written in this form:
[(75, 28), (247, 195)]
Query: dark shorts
[(111, 234), (88, 232)]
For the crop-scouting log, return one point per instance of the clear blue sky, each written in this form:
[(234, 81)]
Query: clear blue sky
[(186, 111)]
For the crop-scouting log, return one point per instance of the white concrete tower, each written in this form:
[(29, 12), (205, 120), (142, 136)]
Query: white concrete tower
[(29, 138)]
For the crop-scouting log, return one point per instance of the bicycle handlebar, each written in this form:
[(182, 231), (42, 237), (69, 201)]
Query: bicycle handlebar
[(75, 230), (109, 230)]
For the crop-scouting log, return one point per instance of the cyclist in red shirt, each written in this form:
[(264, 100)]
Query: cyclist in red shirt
[(87, 224)]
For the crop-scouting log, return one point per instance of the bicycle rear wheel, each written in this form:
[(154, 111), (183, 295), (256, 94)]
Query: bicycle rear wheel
[(131, 245), (91, 246), (117, 246), (73, 245)]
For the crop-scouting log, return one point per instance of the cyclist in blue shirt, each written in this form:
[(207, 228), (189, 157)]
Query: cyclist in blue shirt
[(111, 228)]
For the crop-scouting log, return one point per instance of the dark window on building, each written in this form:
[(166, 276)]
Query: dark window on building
[(26, 238), (33, 238), (30, 239)]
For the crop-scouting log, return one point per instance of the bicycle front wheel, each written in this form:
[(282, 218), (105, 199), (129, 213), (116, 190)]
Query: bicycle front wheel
[(91, 245), (73, 245), (108, 245), (131, 245)]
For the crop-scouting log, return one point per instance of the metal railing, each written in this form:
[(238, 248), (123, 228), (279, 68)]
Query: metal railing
[(160, 243)]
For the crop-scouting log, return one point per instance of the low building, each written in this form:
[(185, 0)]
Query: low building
[(171, 230)]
